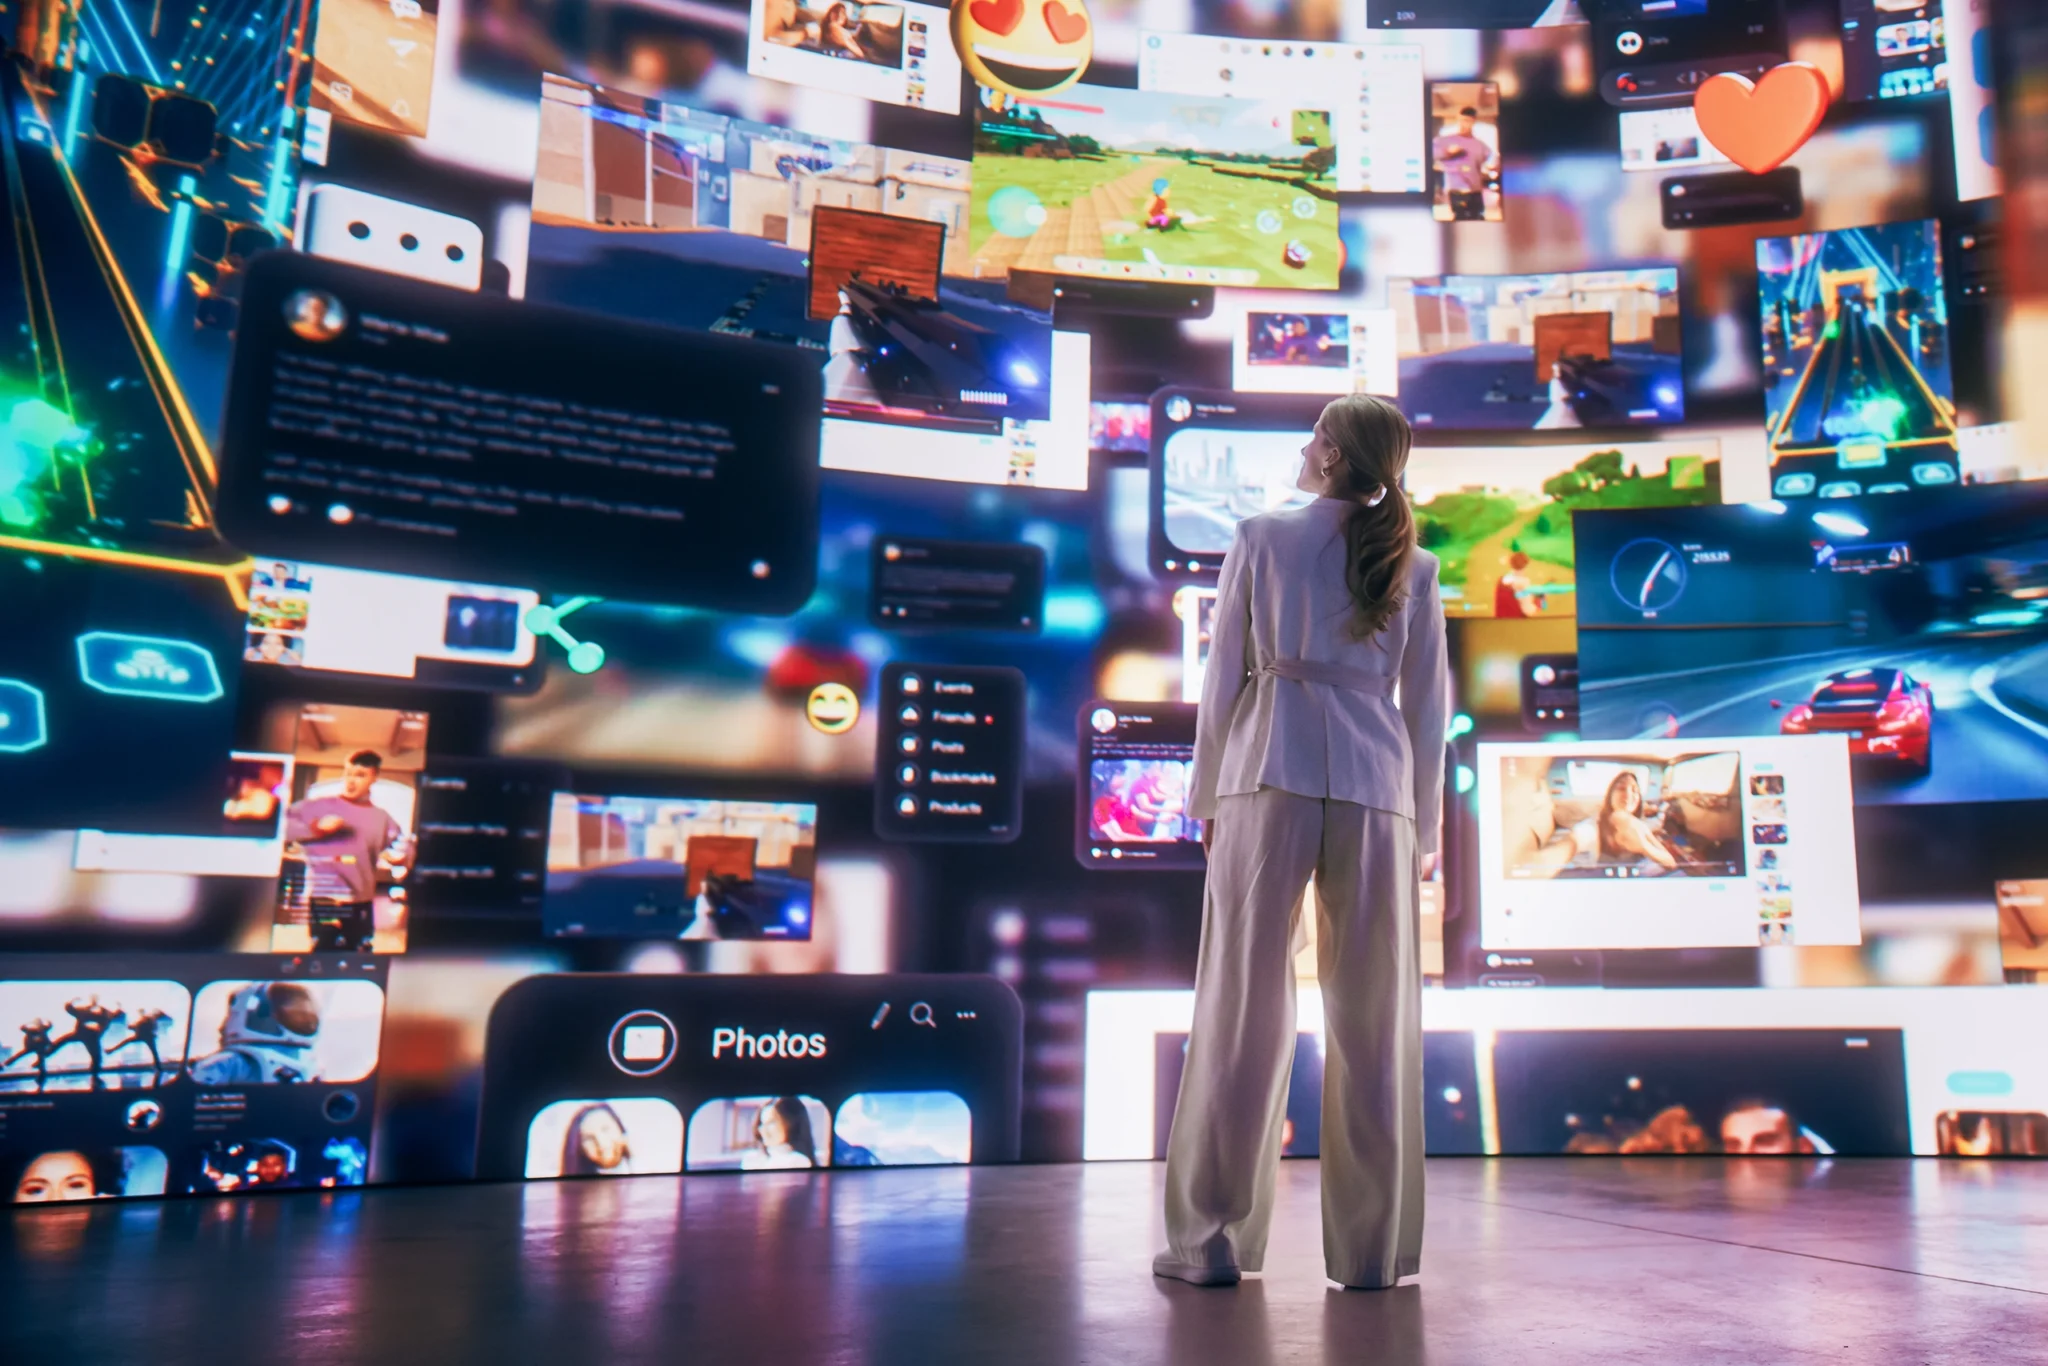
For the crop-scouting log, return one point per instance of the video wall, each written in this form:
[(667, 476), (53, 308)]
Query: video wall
[(602, 589)]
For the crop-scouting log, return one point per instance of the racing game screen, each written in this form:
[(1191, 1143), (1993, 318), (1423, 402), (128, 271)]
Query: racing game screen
[(1916, 627)]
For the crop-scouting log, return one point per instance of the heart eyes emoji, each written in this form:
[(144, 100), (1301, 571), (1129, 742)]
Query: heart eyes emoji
[(999, 17), (1067, 26)]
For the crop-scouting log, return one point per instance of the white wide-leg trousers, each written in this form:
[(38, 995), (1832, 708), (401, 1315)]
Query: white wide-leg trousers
[(1223, 1156)]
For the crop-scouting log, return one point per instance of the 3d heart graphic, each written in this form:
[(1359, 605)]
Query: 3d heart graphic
[(1758, 124)]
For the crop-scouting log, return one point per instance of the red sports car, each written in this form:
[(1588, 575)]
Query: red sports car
[(1887, 714)]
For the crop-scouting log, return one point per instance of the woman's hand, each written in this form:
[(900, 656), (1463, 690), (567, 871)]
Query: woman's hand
[(1208, 836)]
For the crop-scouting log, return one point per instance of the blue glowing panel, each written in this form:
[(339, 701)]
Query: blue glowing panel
[(23, 724), (148, 666)]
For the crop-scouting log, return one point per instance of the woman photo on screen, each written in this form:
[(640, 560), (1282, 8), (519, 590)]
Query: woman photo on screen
[(1625, 837), (782, 1137), (596, 1144), (1304, 766)]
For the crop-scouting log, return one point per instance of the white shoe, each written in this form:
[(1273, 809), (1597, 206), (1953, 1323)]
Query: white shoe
[(1171, 1267)]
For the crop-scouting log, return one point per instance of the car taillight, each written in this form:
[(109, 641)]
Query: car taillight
[(1901, 713)]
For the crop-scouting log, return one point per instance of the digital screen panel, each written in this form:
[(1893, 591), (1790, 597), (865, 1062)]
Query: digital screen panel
[(1464, 152), (1133, 787), (1284, 352), (690, 218), (679, 868), (896, 53), (1907, 626), (771, 1072), (203, 1073), (1540, 352), (326, 619), (1158, 188), (1747, 843), (363, 405), (1856, 349), (1499, 518), (1218, 458), (1373, 94)]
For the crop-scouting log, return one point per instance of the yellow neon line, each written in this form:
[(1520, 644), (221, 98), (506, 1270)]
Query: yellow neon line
[(232, 576), (157, 367)]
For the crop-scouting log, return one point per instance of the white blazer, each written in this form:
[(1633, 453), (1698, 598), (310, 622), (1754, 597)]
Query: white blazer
[(1292, 700)]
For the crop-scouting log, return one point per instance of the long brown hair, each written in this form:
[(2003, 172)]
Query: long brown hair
[(1372, 439)]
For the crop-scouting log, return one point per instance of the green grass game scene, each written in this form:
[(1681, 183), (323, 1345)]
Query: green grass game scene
[(1136, 184)]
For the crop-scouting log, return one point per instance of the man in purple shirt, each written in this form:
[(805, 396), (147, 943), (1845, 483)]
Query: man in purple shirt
[(343, 836), (1466, 163)]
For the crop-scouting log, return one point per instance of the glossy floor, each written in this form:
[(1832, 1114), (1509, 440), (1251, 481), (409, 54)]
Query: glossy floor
[(1655, 1260)]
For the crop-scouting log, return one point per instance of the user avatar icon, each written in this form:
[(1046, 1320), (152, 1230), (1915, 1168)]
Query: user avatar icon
[(1102, 720), (315, 315)]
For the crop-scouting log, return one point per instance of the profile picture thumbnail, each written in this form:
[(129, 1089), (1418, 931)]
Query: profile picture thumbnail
[(759, 1133), (90, 1173), (315, 315), (627, 1137)]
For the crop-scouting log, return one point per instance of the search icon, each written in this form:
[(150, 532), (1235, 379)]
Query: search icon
[(921, 1014)]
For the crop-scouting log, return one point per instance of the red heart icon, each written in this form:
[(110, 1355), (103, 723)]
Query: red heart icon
[(1066, 26), (1757, 125), (999, 17)]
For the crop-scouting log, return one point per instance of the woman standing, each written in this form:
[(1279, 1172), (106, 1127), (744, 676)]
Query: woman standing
[(1305, 764)]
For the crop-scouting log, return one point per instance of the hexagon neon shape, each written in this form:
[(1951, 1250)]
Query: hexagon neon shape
[(24, 725), (154, 667)]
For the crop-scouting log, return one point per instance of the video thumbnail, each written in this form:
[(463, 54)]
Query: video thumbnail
[(1133, 786), (1216, 460), (962, 384), (249, 1164), (896, 53), (637, 1136), (759, 1133), (1856, 347), (348, 830), (679, 868), (1752, 1092), (1569, 830), (1499, 519), (1464, 152), (322, 618), (1540, 352), (1316, 353), (1914, 628), (902, 1129), (67, 1174), (285, 1033), (1120, 428), (1374, 94), (1991, 1133), (1141, 185), (1665, 140), (91, 1035)]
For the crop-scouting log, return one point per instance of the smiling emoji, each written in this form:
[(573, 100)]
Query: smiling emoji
[(1024, 47), (832, 708)]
